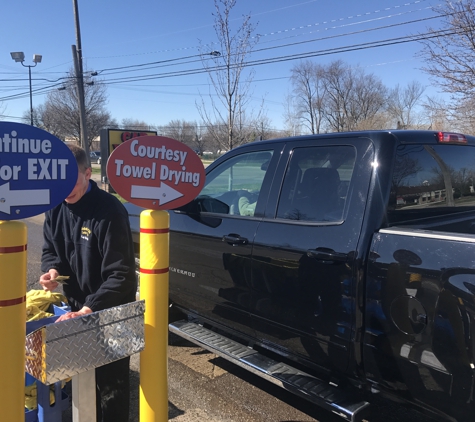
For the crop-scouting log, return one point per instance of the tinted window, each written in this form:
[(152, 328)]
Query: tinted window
[(237, 183), (431, 177), (316, 183)]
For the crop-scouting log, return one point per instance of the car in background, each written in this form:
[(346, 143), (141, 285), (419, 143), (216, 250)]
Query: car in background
[(95, 157)]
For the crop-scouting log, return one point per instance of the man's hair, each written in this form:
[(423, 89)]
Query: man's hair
[(80, 156)]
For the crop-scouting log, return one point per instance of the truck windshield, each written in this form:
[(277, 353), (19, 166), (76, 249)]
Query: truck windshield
[(432, 179)]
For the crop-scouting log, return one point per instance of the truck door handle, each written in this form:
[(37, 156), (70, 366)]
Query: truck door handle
[(326, 254), (235, 239)]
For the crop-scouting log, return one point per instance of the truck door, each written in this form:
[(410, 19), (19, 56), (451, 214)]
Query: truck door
[(212, 237), (304, 255)]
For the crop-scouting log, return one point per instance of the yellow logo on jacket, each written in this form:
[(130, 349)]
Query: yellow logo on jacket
[(85, 233)]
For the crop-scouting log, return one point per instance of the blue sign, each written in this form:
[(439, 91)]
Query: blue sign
[(37, 171)]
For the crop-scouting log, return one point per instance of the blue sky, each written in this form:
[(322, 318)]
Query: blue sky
[(116, 34)]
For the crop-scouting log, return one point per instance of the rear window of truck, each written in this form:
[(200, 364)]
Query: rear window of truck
[(430, 180)]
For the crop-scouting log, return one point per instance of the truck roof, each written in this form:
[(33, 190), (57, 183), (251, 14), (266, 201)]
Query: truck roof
[(402, 136)]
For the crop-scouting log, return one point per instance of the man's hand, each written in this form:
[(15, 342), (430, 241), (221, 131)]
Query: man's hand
[(45, 280), (83, 311)]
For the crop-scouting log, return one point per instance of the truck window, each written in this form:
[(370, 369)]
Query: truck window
[(431, 179), (316, 184), (238, 181)]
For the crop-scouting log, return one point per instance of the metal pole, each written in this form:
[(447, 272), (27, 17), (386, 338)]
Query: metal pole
[(82, 106), (83, 387), (80, 81), (78, 33), (31, 97)]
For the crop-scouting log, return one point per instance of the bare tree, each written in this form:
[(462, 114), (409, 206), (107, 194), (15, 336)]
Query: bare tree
[(135, 124), (293, 126), (462, 180), (450, 53), (45, 118), (405, 167), (352, 97), (463, 116), (190, 133), (226, 71), (368, 102), (437, 112), (455, 116), (402, 103), (263, 129), (200, 143), (26, 117), (60, 112), (309, 93), (181, 130)]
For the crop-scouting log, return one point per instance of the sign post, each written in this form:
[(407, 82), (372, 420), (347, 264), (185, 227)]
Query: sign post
[(110, 139), (159, 174), (37, 172)]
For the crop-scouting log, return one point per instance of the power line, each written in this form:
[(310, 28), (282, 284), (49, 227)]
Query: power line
[(163, 63), (317, 53), (212, 44)]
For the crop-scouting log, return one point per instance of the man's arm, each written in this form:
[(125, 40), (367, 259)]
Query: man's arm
[(50, 261), (245, 207), (69, 315)]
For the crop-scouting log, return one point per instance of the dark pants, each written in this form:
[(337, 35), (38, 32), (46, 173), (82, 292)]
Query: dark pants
[(113, 391)]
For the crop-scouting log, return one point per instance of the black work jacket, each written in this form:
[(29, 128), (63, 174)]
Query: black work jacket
[(91, 242)]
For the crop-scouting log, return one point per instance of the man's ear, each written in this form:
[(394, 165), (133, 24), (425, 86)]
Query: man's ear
[(88, 173)]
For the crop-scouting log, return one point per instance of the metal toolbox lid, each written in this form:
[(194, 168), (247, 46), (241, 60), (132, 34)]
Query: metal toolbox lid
[(60, 350)]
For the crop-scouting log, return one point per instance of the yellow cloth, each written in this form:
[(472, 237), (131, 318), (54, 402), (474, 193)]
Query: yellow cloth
[(31, 394), (38, 302)]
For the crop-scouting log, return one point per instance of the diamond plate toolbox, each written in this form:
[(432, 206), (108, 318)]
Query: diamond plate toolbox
[(61, 350)]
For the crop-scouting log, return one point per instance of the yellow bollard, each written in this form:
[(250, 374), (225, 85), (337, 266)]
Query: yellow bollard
[(13, 239), (154, 262)]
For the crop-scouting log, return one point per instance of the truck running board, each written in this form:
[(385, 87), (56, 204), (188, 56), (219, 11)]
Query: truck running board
[(298, 382)]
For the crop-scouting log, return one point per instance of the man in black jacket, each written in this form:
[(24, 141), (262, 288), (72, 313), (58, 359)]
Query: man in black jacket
[(88, 238)]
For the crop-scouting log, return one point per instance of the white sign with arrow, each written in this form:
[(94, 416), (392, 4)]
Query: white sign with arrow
[(163, 193), (17, 198)]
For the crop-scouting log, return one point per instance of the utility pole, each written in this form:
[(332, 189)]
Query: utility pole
[(82, 105), (77, 58)]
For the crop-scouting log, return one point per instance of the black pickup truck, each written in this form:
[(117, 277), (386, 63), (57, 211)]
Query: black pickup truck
[(338, 266)]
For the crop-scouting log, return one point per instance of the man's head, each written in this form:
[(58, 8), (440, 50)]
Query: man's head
[(84, 174)]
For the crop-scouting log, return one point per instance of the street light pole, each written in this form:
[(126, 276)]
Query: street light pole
[(19, 56), (31, 95)]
